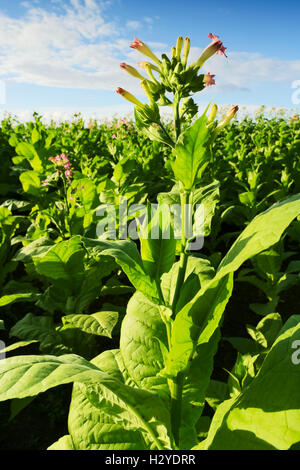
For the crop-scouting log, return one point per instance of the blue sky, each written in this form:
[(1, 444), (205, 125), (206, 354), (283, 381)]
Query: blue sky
[(62, 56)]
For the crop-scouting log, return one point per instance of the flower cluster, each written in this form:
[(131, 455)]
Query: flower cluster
[(62, 161), (170, 75), (174, 74), (62, 165)]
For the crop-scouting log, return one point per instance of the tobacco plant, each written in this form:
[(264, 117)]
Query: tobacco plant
[(150, 393)]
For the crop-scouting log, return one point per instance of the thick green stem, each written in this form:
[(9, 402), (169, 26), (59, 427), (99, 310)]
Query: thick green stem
[(176, 385), (183, 255)]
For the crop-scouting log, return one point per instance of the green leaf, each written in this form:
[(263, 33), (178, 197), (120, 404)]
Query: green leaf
[(141, 329), (158, 245), (42, 329), (35, 248), (266, 414), (191, 153), (136, 409), (63, 443), (63, 262), (100, 323), (197, 321), (31, 182), (21, 297), (127, 256), (262, 232)]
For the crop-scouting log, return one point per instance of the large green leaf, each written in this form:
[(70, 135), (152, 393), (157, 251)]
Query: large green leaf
[(262, 232), (31, 182), (142, 329), (136, 409), (191, 153), (266, 415), (96, 428), (196, 322), (158, 245)]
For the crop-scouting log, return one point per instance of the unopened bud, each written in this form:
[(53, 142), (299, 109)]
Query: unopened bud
[(129, 97), (131, 70), (186, 50), (143, 65), (228, 116), (213, 113), (145, 86), (173, 52), (179, 47)]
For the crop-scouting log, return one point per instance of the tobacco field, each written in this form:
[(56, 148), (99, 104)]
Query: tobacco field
[(116, 342)]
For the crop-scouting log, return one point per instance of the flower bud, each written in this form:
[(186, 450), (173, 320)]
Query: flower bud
[(145, 87), (129, 97), (131, 70), (179, 47), (173, 52), (186, 50), (213, 113), (143, 65), (144, 49), (228, 116)]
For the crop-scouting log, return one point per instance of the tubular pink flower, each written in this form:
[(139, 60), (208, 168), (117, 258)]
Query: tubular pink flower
[(129, 97), (68, 174), (144, 49), (57, 158), (215, 47), (208, 79), (51, 159), (114, 136), (64, 157), (67, 165)]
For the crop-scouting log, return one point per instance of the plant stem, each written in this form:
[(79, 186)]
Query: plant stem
[(184, 197), (176, 385), (177, 124), (176, 402)]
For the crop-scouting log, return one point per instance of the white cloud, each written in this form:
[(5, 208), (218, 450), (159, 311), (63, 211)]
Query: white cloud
[(133, 24), (76, 45)]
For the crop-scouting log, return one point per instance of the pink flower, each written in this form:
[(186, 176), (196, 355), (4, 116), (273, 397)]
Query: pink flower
[(114, 136), (57, 158), (215, 47), (71, 198), (64, 157), (215, 39), (52, 159), (67, 165), (82, 187), (208, 79), (68, 174), (45, 183)]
